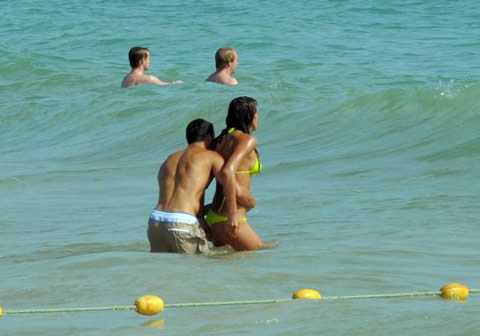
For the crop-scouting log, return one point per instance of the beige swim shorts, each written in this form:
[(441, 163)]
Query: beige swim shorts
[(176, 232)]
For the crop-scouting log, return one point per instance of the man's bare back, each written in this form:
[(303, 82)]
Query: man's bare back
[(182, 189), (183, 178), (139, 58), (226, 62), (166, 178)]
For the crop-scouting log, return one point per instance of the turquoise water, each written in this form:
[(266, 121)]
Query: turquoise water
[(369, 118)]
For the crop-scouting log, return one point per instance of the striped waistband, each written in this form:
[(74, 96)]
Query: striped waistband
[(171, 217)]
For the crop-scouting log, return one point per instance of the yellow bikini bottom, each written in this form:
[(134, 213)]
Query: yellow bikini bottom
[(214, 218)]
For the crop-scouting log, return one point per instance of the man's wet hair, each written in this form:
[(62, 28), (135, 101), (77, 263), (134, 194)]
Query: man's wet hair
[(198, 130), (136, 54), (223, 56)]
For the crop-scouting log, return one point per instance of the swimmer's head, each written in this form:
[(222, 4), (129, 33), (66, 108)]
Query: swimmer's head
[(136, 55), (198, 130), (242, 113), (224, 57)]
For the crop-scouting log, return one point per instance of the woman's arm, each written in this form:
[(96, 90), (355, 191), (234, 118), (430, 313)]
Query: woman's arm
[(227, 179), (245, 198), (244, 146)]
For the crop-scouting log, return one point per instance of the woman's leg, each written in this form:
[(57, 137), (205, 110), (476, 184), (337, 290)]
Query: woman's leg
[(245, 240)]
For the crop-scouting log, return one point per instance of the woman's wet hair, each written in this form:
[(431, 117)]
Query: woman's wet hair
[(241, 113), (198, 129)]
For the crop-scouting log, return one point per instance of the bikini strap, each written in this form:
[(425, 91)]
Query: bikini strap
[(221, 205), (231, 130)]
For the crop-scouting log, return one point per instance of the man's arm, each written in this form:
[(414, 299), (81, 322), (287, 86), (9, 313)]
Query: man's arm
[(155, 80)]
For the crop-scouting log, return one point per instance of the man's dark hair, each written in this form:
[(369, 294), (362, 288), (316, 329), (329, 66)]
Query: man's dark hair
[(135, 55), (198, 129)]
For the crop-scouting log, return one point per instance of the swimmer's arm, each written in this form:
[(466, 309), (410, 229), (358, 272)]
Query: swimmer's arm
[(155, 80)]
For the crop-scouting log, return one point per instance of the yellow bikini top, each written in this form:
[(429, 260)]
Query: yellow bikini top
[(257, 167)]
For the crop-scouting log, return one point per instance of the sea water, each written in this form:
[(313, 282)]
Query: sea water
[(368, 133)]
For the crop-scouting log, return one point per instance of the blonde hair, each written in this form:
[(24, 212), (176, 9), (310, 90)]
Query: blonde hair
[(223, 56)]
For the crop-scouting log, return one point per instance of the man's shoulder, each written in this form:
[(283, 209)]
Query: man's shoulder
[(134, 78), (214, 154), (128, 81), (176, 154), (232, 81), (172, 160), (145, 79), (222, 78), (209, 156), (214, 77)]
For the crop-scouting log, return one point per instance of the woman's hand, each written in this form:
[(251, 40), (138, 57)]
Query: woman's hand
[(232, 226)]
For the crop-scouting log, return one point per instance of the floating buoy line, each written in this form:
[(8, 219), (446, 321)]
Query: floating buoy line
[(152, 305)]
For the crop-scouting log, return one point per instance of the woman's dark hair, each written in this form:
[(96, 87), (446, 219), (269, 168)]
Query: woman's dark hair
[(241, 112), (198, 129)]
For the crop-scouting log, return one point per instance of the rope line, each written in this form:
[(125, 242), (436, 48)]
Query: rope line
[(67, 310), (223, 303), (381, 296)]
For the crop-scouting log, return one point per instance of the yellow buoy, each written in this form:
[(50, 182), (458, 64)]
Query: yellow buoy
[(307, 293), (454, 291), (149, 305), (1, 311)]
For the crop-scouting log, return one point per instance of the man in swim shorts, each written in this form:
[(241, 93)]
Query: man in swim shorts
[(226, 62), (173, 225), (139, 58)]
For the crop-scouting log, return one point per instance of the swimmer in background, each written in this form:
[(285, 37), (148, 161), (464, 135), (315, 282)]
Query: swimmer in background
[(226, 62), (139, 58), (173, 225)]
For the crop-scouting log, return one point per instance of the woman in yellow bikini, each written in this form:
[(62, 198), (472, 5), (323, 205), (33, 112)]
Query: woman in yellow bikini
[(237, 147)]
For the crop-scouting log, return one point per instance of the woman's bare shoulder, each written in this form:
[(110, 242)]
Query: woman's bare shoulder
[(246, 139)]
